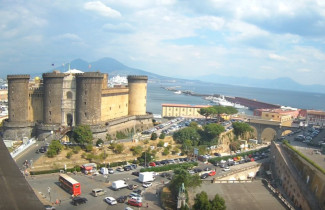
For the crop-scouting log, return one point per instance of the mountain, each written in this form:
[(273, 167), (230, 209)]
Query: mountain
[(282, 83), (114, 67)]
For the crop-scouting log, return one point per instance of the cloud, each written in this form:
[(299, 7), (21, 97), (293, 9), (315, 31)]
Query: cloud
[(277, 57), (69, 36), (304, 70), (102, 9), (118, 28)]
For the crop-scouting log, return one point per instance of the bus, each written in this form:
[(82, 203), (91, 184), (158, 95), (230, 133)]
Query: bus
[(70, 185)]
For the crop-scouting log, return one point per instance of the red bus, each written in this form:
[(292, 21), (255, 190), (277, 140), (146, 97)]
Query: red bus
[(70, 185)]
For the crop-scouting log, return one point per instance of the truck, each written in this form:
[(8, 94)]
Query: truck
[(146, 177), (119, 184)]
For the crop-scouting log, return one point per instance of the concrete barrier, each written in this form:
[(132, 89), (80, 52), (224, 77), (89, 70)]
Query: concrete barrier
[(23, 147)]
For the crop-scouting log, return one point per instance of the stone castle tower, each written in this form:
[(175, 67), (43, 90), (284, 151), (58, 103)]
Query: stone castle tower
[(73, 98)]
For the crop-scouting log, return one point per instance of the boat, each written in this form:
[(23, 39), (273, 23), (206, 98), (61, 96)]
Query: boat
[(178, 92)]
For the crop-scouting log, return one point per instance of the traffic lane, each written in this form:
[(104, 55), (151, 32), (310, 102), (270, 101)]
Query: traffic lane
[(30, 154)]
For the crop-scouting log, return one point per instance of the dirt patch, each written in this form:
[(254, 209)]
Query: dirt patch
[(59, 161)]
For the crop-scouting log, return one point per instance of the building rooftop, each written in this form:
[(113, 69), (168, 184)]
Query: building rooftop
[(186, 105)]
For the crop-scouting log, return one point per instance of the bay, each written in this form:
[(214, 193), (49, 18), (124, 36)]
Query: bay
[(158, 96)]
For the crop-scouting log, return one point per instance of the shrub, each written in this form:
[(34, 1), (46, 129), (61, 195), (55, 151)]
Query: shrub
[(90, 156), (51, 153), (120, 135), (136, 150), (119, 148), (146, 141), (162, 136), (153, 136), (166, 151), (175, 151), (170, 167), (160, 143), (99, 142), (83, 155), (76, 149), (89, 147), (69, 154), (103, 156)]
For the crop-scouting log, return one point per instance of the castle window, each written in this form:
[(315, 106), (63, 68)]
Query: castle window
[(119, 106), (85, 114), (126, 105), (50, 101), (85, 103), (69, 95), (85, 92), (110, 108), (50, 112)]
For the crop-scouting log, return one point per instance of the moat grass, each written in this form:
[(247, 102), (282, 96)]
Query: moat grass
[(285, 142)]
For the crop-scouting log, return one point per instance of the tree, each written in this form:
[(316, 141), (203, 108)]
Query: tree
[(119, 148), (219, 110), (218, 203), (136, 150), (187, 146), (165, 152), (82, 134), (201, 201), (240, 128), (147, 156), (234, 145), (183, 176), (207, 112), (185, 134), (160, 143), (56, 146), (213, 130), (153, 136), (99, 142), (162, 135)]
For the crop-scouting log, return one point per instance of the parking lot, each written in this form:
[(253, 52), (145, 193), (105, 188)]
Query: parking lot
[(41, 183)]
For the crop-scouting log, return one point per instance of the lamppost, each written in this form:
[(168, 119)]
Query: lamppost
[(49, 191)]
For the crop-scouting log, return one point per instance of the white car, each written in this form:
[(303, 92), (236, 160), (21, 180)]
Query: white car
[(110, 200), (138, 199), (111, 171), (120, 169), (226, 169), (146, 184)]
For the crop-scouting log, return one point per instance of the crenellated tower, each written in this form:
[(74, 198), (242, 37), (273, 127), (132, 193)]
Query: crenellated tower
[(137, 95), (88, 98), (53, 83), (18, 98)]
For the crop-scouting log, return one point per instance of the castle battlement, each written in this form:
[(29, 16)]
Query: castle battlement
[(137, 77), (90, 75), (53, 74), (18, 76)]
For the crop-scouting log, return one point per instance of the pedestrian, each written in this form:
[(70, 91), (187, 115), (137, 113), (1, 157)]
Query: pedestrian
[(147, 205)]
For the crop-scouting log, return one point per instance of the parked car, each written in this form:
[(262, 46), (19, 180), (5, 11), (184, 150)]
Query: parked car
[(212, 173), (111, 171), (49, 207), (132, 186), (152, 164), (204, 176), (226, 169), (135, 173), (197, 170), (134, 202), (119, 169), (146, 184), (122, 199), (79, 200), (217, 154), (110, 200), (127, 168)]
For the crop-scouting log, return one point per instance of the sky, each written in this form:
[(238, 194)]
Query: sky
[(177, 38)]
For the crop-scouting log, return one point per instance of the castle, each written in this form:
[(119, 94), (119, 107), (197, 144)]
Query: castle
[(59, 101)]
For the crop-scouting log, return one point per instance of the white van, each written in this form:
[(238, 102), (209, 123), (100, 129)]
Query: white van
[(97, 192)]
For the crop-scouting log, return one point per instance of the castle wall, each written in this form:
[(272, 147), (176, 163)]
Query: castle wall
[(18, 98), (35, 105), (137, 95), (114, 103), (301, 181), (53, 83), (88, 100)]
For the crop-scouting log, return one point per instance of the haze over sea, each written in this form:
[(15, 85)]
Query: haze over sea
[(158, 95)]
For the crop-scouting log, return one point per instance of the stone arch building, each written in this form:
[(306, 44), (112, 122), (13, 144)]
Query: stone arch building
[(66, 99)]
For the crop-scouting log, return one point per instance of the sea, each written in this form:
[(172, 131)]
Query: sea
[(157, 95)]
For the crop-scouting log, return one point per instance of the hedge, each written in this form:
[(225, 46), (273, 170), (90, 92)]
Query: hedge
[(304, 157), (170, 167), (76, 168), (218, 159)]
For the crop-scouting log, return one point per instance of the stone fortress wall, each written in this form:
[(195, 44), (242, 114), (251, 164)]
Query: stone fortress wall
[(69, 99), (302, 182)]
